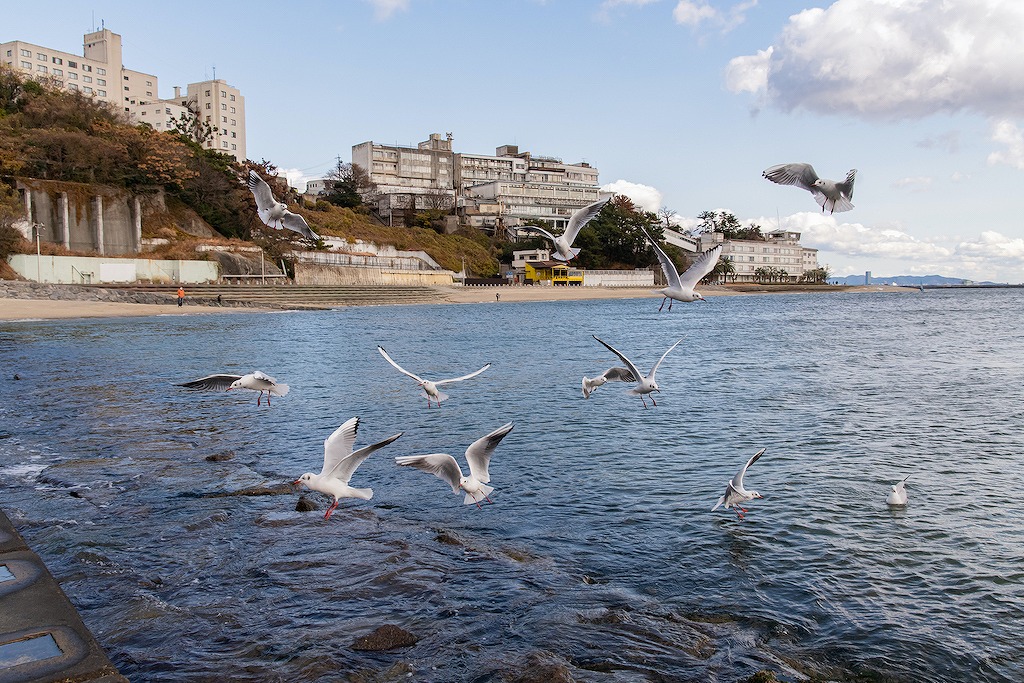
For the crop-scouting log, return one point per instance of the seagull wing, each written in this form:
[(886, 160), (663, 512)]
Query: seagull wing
[(399, 367), (618, 374), (297, 223), (459, 379), (211, 382), (669, 268), (339, 444), (257, 374), (541, 231), (704, 264), (344, 469), (629, 364), (737, 481), (581, 217), (261, 191), (478, 455), (441, 465), (801, 175), (656, 365)]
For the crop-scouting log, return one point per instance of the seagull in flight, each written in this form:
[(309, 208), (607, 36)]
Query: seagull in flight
[(735, 495), (430, 389), (339, 464), (446, 468), (898, 495), (275, 213), (564, 251), (254, 381), (617, 374), (828, 193), (680, 287), (645, 384)]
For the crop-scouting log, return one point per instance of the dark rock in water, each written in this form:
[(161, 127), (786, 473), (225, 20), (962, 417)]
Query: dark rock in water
[(400, 671), (447, 537), (304, 504), (540, 668), (762, 676), (220, 457), (387, 637), (75, 494), (17, 376), (275, 490)]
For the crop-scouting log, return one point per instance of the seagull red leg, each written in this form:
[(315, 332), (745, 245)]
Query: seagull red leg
[(662, 304), (331, 509)]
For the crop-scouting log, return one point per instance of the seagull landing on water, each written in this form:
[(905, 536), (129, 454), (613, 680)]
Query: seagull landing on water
[(445, 467), (430, 389), (275, 213), (898, 495), (254, 381), (828, 193), (680, 287), (339, 464), (564, 251), (735, 495), (590, 385), (645, 385)]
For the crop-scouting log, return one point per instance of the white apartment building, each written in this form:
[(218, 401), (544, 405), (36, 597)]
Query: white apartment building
[(492, 192), (781, 250), (100, 73)]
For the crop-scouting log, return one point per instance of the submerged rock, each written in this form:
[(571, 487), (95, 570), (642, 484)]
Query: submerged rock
[(387, 637), (540, 668), (304, 504)]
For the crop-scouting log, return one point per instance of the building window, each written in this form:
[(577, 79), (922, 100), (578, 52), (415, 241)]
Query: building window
[(87, 91), (58, 72), (149, 93), (224, 144), (149, 84), (26, 53), (232, 97), (58, 60), (73, 65), (233, 134), (207, 93), (234, 147), (224, 119), (41, 57), (223, 107), (223, 94), (126, 88), (167, 110), (9, 53), (73, 86), (233, 122), (232, 110), (102, 93), (86, 67), (87, 79), (126, 78), (42, 69), (101, 72), (143, 112), (26, 65), (100, 81)]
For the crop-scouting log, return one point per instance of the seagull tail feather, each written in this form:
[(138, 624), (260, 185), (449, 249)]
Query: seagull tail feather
[(365, 494), (479, 496)]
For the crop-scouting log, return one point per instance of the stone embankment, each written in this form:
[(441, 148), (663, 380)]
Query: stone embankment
[(273, 296)]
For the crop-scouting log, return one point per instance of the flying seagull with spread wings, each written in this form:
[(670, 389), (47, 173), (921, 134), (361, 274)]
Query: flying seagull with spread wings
[(680, 287), (646, 385), (254, 381), (735, 495), (339, 464), (564, 251), (828, 193), (446, 468), (430, 388), (617, 374), (275, 213)]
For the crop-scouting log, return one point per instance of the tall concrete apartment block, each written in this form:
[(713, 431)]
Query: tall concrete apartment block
[(100, 73), (492, 192), (779, 249)]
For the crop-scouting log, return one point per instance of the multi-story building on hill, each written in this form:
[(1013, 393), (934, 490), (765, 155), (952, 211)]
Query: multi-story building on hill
[(781, 249), (492, 192), (100, 73)]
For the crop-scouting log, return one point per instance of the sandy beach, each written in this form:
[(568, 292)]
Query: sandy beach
[(48, 309)]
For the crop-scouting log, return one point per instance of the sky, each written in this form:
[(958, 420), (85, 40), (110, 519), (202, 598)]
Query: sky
[(678, 103)]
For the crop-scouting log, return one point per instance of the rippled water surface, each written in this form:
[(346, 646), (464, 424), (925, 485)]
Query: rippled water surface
[(599, 555)]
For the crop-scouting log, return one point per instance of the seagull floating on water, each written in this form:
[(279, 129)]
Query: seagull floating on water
[(563, 243), (680, 287), (645, 385), (254, 381), (445, 467), (430, 390), (275, 213), (735, 495), (617, 374), (898, 495), (339, 464), (828, 193)]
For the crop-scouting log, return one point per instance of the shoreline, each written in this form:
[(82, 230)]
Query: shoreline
[(28, 309)]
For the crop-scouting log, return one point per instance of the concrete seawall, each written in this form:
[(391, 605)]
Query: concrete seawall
[(42, 638)]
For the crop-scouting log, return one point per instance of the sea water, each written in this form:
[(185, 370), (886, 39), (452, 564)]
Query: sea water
[(599, 555)]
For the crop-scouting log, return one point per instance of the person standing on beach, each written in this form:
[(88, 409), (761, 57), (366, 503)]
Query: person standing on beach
[(181, 296)]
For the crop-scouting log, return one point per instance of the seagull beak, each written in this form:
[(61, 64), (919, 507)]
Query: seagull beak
[(296, 482)]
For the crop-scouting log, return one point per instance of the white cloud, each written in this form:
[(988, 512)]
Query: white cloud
[(606, 7), (295, 177), (913, 183), (856, 239), (959, 177), (696, 12), (1007, 133), (894, 59), (644, 196), (385, 9)]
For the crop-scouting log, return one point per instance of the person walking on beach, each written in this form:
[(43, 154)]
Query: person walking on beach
[(181, 296)]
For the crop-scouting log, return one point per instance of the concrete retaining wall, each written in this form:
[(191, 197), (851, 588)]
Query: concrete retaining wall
[(77, 270), (618, 278), (314, 274)]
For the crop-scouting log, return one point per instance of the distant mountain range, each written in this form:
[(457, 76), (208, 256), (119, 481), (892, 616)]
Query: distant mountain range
[(907, 280)]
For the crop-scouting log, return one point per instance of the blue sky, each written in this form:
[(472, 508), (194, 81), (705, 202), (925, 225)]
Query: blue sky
[(678, 103)]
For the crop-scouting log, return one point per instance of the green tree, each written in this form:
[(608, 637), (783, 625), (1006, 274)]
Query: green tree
[(615, 237), (723, 269)]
